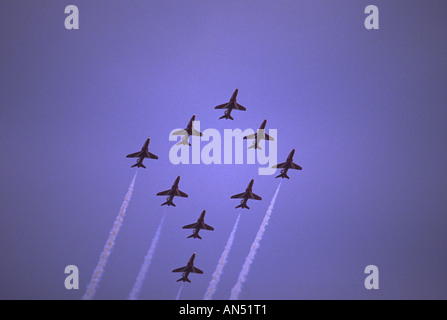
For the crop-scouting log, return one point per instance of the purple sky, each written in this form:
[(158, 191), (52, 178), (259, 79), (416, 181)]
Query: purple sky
[(365, 111)]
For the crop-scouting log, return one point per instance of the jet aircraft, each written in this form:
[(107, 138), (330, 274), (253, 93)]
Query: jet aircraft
[(188, 269), (200, 224), (259, 135), (232, 104), (248, 194), (289, 164), (171, 193), (188, 131), (144, 153)]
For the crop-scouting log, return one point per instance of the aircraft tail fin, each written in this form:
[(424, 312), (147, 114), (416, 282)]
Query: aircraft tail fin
[(254, 146), (139, 165), (184, 142), (195, 236), (226, 116), (169, 203), (184, 279), (242, 205), (283, 175)]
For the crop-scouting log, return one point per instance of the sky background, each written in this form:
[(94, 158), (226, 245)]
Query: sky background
[(365, 111)]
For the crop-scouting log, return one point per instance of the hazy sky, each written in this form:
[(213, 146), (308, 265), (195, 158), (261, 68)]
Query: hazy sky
[(364, 109)]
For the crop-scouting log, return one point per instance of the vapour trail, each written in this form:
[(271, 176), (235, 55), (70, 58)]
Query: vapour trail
[(99, 270), (221, 263), (177, 297), (133, 295), (236, 291)]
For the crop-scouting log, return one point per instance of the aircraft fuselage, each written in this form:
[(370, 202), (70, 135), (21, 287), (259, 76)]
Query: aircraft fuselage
[(189, 127), (233, 97)]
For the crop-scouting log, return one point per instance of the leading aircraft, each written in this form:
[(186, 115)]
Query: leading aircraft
[(171, 193), (230, 106), (144, 153), (248, 194), (259, 135), (289, 164), (200, 224), (188, 269), (188, 131)]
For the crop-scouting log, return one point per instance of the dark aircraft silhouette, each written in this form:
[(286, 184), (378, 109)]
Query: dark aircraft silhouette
[(171, 193), (230, 106), (200, 224), (188, 131), (289, 164), (248, 194), (259, 135), (188, 269), (144, 153)]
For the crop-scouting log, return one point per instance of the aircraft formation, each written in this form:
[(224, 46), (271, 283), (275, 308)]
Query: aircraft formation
[(244, 196)]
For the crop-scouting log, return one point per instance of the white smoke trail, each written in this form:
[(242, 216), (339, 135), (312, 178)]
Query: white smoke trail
[(236, 291), (221, 264), (97, 274), (133, 295), (177, 297)]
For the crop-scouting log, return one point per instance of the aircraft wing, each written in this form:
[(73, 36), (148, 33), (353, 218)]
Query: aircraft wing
[(267, 137), (196, 133), (190, 226), (239, 107), (255, 196), (295, 166), (182, 269), (181, 132), (200, 226), (222, 106), (196, 270), (280, 165), (250, 136), (164, 193), (181, 194), (134, 155), (238, 196), (150, 155)]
